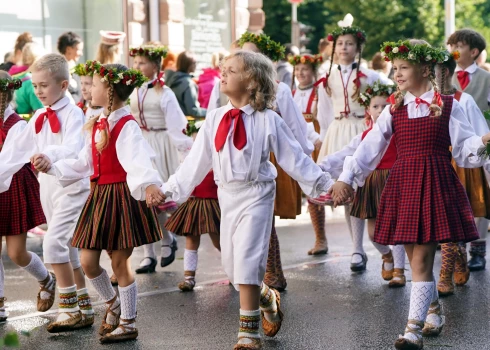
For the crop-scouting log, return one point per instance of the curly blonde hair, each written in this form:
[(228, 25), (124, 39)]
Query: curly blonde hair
[(259, 74), (435, 107)]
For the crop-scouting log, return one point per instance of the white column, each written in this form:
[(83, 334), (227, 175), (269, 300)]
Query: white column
[(450, 18)]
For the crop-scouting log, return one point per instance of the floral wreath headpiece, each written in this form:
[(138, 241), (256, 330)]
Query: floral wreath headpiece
[(454, 54), (82, 69), (377, 89), (130, 77), (10, 84), (151, 52), (418, 53), (306, 59), (355, 31), (265, 44)]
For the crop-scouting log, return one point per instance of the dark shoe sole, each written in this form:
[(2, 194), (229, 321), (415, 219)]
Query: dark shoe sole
[(117, 339)]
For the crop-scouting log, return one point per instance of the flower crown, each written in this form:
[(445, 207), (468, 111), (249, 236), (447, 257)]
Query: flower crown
[(149, 51), (10, 84), (418, 53), (313, 60), (265, 44), (377, 89), (355, 31), (128, 77), (83, 69)]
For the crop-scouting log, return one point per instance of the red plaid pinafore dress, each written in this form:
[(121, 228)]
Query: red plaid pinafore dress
[(20, 206), (424, 201)]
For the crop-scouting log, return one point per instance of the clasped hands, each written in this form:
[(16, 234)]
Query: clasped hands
[(341, 193), (41, 162)]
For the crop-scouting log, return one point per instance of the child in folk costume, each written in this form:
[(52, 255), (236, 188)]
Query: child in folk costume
[(454, 257), (342, 87), (86, 88), (117, 158), (56, 132), (475, 81), (366, 200), (161, 120), (20, 207), (235, 141), (199, 215), (288, 193), (423, 202)]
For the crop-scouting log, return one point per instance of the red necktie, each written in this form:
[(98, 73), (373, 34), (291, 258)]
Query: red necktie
[(419, 101), (239, 132), (52, 118), (463, 78)]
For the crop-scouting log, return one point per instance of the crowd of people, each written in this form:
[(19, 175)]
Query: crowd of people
[(113, 158)]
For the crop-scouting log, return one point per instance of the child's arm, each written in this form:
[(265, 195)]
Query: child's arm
[(294, 161), (334, 163), (72, 138), (175, 121), (313, 136), (17, 149), (293, 117)]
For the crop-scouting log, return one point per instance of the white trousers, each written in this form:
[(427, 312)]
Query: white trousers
[(62, 208), (246, 224)]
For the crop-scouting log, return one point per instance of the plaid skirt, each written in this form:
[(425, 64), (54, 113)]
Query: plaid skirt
[(195, 217), (113, 220), (477, 189), (366, 201), (20, 206)]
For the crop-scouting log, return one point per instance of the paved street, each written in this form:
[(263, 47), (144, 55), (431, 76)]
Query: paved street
[(326, 305)]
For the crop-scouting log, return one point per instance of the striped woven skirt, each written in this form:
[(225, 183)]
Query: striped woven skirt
[(113, 220), (367, 199), (195, 217)]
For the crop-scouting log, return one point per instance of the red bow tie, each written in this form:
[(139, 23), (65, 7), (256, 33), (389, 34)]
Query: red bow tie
[(52, 118), (419, 101), (463, 78), (239, 132)]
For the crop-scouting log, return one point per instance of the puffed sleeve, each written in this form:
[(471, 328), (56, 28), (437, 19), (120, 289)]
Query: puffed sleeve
[(313, 136), (196, 165), (369, 152), (465, 144), (475, 116), (290, 156), (325, 113), (293, 117), (134, 154), (334, 162), (175, 120), (73, 140), (17, 149)]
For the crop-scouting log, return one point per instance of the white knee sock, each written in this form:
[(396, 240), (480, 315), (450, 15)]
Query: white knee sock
[(2, 278), (420, 299), (357, 237), (383, 249), (129, 296), (399, 256), (37, 269), (166, 241), (190, 260), (103, 286), (436, 319), (482, 227), (149, 252)]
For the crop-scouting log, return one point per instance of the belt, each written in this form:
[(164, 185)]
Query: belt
[(345, 115), (154, 129)]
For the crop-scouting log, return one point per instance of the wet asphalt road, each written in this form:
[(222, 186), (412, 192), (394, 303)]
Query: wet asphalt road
[(326, 306)]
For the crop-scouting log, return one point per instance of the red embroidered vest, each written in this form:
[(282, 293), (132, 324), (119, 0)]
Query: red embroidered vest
[(107, 168), (207, 188), (389, 157)]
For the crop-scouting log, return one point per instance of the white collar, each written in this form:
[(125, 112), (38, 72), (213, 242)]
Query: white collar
[(471, 69), (248, 110), (8, 112), (426, 96), (59, 104), (117, 114)]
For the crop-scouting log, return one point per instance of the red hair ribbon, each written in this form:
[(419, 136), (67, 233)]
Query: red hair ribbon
[(3, 136), (322, 81), (438, 98), (391, 100), (359, 75), (103, 124)]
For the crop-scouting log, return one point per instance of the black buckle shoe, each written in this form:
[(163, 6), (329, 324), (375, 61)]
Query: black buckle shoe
[(148, 268), (356, 267), (169, 259), (477, 262)]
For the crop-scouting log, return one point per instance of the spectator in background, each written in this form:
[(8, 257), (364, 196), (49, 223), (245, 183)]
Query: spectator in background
[(324, 50), (169, 62), (110, 47), (26, 101), (284, 68), (381, 66), (16, 58), (183, 85), (210, 77), (481, 61), (8, 61), (70, 45)]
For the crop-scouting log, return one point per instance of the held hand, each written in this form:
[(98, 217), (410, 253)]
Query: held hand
[(41, 162), (341, 193), (485, 138), (154, 196)]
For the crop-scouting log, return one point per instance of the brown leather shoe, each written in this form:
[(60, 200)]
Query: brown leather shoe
[(106, 327), (129, 333), (44, 305), (67, 325), (271, 329), (387, 274), (445, 286), (256, 344), (399, 279), (87, 321), (461, 270)]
